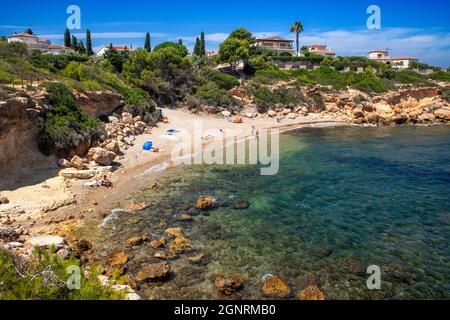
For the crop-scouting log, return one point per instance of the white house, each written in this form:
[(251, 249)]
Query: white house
[(101, 52), (280, 45), (35, 43), (321, 49), (402, 62)]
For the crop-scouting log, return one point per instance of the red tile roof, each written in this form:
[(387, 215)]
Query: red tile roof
[(57, 47), (23, 35)]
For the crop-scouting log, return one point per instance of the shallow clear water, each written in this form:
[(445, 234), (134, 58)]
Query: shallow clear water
[(344, 198)]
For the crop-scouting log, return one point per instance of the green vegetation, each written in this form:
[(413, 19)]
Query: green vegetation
[(235, 48), (147, 44), (446, 95), (182, 51), (210, 94), (45, 278), (441, 75), (66, 126), (222, 80), (284, 96)]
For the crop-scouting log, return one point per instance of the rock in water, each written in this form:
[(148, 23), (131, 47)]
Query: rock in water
[(47, 242), (154, 272), (174, 232), (275, 287), (135, 241), (240, 204), (206, 203), (180, 245), (311, 293), (117, 262), (228, 285), (101, 156)]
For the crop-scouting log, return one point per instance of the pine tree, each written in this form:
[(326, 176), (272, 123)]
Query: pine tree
[(89, 43), (74, 43), (148, 45), (67, 38), (81, 47), (197, 47), (202, 45)]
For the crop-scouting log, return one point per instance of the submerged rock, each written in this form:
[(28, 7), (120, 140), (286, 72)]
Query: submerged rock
[(199, 259), (241, 204), (117, 262), (399, 273), (180, 244), (355, 267), (156, 244), (135, 241), (275, 287), (206, 203), (153, 272), (228, 284), (174, 232), (311, 293), (137, 207)]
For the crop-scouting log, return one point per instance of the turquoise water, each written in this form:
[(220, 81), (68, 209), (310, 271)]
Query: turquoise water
[(344, 198)]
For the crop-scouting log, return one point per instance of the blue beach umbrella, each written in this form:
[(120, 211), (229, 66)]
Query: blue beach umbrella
[(147, 146)]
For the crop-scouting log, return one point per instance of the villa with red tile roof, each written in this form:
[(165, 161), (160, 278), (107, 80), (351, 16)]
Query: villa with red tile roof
[(280, 45), (321, 49), (402, 62), (35, 43), (101, 52)]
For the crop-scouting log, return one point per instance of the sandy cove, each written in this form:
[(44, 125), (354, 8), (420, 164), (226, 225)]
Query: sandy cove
[(56, 205)]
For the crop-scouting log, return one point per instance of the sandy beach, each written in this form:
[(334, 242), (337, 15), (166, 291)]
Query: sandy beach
[(55, 203)]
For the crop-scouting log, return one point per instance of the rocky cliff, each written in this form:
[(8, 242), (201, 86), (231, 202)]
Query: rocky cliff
[(99, 103)]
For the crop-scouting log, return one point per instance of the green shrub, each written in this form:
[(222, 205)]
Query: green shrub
[(446, 95), (45, 278), (270, 75), (368, 82), (180, 49), (410, 77), (13, 48), (440, 75), (66, 126), (211, 94), (76, 71), (223, 80)]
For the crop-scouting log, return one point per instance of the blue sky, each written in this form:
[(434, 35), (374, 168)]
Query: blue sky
[(417, 28)]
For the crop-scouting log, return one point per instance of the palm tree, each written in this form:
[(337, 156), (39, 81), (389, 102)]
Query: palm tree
[(297, 27)]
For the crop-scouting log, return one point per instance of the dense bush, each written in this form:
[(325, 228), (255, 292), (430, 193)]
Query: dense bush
[(66, 126), (223, 80), (14, 48), (45, 278), (181, 49), (210, 94), (446, 95), (283, 96), (410, 77), (440, 75)]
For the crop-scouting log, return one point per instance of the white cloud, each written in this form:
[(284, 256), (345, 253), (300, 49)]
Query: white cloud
[(107, 35)]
